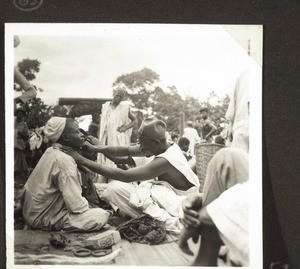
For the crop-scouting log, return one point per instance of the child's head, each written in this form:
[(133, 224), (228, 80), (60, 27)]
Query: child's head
[(184, 144)]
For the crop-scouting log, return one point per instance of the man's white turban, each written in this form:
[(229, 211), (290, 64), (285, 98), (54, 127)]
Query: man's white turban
[(54, 128)]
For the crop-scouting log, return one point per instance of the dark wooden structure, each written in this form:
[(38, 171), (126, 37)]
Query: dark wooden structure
[(83, 106)]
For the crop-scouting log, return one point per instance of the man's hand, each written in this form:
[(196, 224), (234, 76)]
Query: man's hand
[(191, 205), (88, 147), (190, 221), (122, 129), (76, 156), (93, 140)]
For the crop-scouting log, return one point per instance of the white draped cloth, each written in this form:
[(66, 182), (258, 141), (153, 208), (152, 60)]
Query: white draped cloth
[(230, 214), (156, 198), (238, 112), (111, 119), (192, 135)]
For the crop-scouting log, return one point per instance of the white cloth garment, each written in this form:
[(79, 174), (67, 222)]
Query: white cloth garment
[(238, 112), (175, 157), (157, 198), (111, 119), (53, 199), (192, 135), (230, 214)]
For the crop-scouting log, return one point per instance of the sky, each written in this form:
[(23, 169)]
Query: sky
[(84, 60)]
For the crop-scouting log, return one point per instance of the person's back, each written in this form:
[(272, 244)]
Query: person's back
[(172, 174), (192, 135)]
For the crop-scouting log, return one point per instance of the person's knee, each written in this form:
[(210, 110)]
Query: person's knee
[(115, 187)]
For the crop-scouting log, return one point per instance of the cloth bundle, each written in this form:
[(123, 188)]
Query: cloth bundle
[(144, 230)]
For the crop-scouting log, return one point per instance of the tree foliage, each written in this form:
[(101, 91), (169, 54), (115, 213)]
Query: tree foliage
[(38, 113), (167, 104), (137, 80)]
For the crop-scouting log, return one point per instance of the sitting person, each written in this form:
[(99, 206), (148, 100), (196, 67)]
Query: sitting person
[(168, 178), (184, 144), (220, 215), (53, 193)]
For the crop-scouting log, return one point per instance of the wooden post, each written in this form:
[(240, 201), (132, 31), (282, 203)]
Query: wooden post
[(181, 122)]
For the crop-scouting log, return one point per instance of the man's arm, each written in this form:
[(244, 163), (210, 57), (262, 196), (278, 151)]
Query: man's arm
[(69, 185), (111, 151), (213, 129), (30, 91), (151, 170), (194, 213), (133, 119)]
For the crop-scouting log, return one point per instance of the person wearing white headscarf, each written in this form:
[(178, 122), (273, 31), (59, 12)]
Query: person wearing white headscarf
[(53, 192)]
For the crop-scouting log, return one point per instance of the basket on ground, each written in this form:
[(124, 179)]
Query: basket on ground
[(204, 152)]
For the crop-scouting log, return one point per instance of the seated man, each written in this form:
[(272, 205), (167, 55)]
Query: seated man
[(220, 215), (53, 199), (171, 176)]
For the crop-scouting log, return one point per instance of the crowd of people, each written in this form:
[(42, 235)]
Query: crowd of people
[(59, 194)]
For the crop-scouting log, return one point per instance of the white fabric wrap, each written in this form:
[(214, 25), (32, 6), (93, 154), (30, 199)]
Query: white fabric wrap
[(54, 128), (230, 214)]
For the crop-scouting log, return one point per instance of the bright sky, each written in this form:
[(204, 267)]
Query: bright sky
[(84, 60)]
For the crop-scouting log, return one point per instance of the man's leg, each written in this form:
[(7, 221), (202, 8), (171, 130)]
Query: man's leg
[(227, 168), (91, 220), (117, 194)]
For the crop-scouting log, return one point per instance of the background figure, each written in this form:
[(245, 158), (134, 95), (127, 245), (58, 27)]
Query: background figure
[(237, 115), (184, 144), (21, 138), (208, 128), (116, 123), (175, 136), (94, 126), (192, 135)]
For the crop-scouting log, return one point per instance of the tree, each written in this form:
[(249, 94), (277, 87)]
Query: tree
[(28, 68), (38, 112), (139, 85), (138, 80), (167, 104)]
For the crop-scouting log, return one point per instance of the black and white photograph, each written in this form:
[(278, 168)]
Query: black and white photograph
[(134, 145)]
